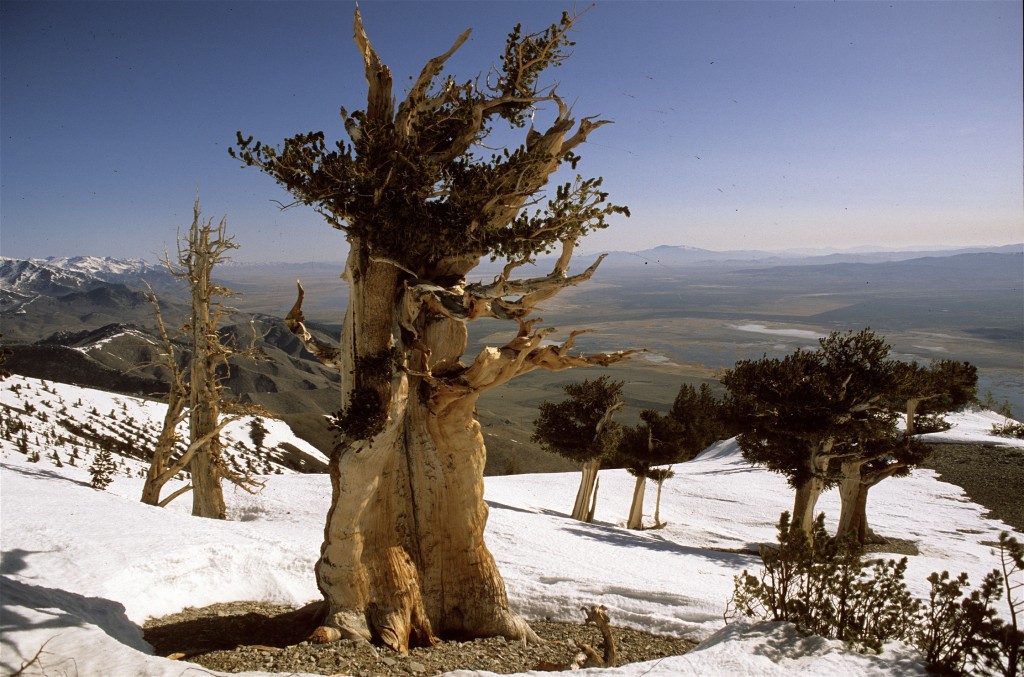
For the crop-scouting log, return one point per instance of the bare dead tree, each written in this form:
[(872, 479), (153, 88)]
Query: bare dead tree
[(162, 466), (166, 463), (199, 251)]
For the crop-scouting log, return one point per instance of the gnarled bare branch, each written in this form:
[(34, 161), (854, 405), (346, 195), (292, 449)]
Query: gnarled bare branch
[(379, 101), (525, 353), (416, 100), (296, 323)]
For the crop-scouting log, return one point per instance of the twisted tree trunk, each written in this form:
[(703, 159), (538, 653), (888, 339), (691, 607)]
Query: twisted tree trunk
[(157, 475), (853, 494), (204, 398), (809, 490), (586, 495), (636, 507), (404, 560)]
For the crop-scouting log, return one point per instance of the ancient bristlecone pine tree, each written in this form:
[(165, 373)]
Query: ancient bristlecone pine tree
[(404, 560)]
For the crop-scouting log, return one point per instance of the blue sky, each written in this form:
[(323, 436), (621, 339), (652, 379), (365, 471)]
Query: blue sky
[(764, 125)]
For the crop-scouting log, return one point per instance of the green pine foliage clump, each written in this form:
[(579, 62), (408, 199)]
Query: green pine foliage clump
[(580, 428), (410, 186), (825, 587)]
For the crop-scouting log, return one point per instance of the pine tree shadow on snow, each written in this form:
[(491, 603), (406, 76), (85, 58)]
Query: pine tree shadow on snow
[(28, 607), (620, 537), (43, 474)]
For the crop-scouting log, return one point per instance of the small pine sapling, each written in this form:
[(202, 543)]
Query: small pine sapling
[(257, 433), (102, 469)]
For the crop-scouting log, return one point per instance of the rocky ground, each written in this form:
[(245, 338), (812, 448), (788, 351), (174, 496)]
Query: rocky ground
[(243, 636), (991, 475)]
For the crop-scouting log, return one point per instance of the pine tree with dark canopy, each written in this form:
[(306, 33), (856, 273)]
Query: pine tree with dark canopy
[(580, 428)]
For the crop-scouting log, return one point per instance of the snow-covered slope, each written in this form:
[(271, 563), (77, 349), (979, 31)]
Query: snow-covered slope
[(82, 569), (66, 425)]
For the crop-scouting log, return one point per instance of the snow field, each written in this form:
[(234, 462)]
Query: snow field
[(82, 569)]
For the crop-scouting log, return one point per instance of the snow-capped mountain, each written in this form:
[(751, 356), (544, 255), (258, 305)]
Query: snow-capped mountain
[(30, 277), (56, 276), (101, 266), (24, 282)]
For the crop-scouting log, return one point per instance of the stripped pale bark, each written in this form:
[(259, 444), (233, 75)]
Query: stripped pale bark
[(162, 468), (586, 495), (851, 491), (658, 524), (202, 248), (636, 507), (808, 491), (598, 615), (853, 495), (197, 255), (414, 490)]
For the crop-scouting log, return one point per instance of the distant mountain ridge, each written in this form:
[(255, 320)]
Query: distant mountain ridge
[(49, 306), (686, 255), (103, 267)]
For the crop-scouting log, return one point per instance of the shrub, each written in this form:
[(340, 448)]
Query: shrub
[(824, 587), (931, 423), (1008, 428), (961, 634), (957, 631)]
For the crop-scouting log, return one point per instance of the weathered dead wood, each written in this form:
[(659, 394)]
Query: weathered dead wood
[(157, 475), (296, 323), (598, 615)]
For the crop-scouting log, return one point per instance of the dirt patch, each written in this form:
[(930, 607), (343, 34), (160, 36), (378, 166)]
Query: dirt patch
[(242, 636)]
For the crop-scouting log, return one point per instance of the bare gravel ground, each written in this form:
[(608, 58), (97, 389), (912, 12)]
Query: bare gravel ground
[(992, 476), (244, 636)]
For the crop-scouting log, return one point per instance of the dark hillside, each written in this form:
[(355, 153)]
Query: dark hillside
[(67, 365)]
